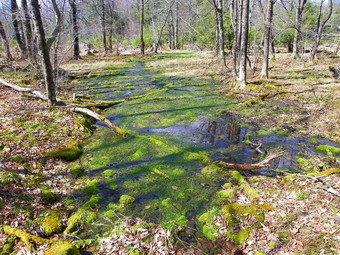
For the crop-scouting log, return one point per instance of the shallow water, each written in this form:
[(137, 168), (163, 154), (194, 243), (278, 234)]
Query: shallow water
[(173, 132)]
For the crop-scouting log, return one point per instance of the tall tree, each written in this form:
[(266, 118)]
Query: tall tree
[(162, 27), (28, 30), (5, 43), (74, 9), (218, 4), (16, 24), (103, 22), (320, 26), (298, 25), (44, 50), (142, 44), (242, 78), (176, 39), (267, 37)]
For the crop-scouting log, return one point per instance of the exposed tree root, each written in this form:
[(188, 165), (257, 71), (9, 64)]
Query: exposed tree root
[(76, 109), (249, 167)]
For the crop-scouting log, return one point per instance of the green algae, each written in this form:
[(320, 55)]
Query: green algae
[(126, 200)]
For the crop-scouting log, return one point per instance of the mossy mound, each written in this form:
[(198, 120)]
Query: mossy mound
[(76, 170), (62, 248), (79, 219), (327, 149), (51, 222), (91, 187), (70, 152), (211, 169), (126, 200)]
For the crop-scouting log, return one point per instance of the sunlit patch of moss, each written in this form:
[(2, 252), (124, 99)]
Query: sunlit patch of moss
[(126, 200), (69, 153), (328, 149), (93, 202), (196, 156), (48, 197), (211, 169), (77, 221), (226, 193), (314, 141), (91, 187), (51, 222), (207, 226), (62, 248)]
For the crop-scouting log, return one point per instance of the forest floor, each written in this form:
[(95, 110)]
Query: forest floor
[(300, 212)]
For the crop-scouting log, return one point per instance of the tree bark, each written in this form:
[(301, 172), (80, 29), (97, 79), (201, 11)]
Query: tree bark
[(298, 24), (15, 21), (103, 21), (220, 30), (28, 29), (76, 50), (162, 28), (142, 44), (242, 79), (320, 27), (111, 9), (5, 43), (176, 39), (46, 62), (267, 38)]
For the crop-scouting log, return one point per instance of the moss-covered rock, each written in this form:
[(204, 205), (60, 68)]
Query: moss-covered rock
[(62, 248), (70, 152), (226, 193), (51, 222), (79, 219)]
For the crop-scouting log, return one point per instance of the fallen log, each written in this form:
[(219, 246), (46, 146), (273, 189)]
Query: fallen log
[(28, 239), (76, 109), (248, 167)]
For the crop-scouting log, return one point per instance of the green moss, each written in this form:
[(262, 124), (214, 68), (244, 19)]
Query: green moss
[(48, 196), (196, 156), (110, 213), (62, 248), (108, 173), (211, 169), (93, 202), (51, 222), (126, 200), (264, 131), (68, 202), (327, 149), (76, 170), (282, 133), (227, 185), (314, 141), (79, 219), (91, 187), (226, 193), (240, 236), (167, 203), (69, 153), (235, 177)]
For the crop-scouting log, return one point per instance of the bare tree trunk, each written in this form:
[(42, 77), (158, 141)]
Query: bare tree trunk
[(176, 39), (103, 21), (28, 29), (111, 8), (76, 50), (162, 28), (15, 21), (142, 44), (267, 38), (46, 62), (242, 79), (220, 30), (5, 43), (320, 27), (298, 24), (235, 23)]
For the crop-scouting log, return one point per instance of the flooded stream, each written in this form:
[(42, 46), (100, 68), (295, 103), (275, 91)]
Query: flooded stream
[(176, 133)]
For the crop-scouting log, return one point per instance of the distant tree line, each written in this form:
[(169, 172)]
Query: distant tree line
[(247, 30)]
